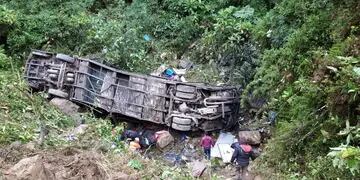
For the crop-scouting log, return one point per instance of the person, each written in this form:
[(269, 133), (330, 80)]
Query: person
[(242, 154), (147, 139), (135, 145), (131, 134), (207, 142)]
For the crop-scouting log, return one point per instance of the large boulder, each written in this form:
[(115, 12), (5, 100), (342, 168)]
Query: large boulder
[(67, 107), (197, 168), (163, 138), (31, 168), (250, 137)]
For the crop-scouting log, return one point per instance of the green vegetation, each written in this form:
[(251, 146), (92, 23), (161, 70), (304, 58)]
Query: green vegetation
[(302, 56), (22, 115)]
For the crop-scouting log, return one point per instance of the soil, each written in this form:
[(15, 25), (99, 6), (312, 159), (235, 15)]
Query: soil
[(23, 161), (66, 163)]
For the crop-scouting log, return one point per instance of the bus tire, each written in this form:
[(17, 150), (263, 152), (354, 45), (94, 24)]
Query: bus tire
[(181, 121), (181, 127), (58, 93), (65, 58)]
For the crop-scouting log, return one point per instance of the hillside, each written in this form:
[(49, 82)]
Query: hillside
[(298, 58)]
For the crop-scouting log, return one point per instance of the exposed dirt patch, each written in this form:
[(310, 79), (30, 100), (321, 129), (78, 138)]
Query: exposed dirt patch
[(12, 154), (24, 161), (67, 163)]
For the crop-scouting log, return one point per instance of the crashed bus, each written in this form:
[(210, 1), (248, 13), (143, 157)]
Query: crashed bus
[(182, 106)]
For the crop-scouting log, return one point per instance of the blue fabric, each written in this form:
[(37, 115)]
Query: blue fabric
[(169, 72), (182, 136), (147, 37), (207, 152), (129, 134), (235, 145)]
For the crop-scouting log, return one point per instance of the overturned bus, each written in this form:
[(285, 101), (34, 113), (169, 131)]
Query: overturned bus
[(143, 98)]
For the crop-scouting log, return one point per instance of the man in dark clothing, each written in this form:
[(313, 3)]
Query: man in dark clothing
[(129, 134), (243, 152)]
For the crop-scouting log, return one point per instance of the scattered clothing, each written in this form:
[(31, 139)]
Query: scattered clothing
[(134, 145), (169, 73), (173, 158), (147, 138), (129, 134)]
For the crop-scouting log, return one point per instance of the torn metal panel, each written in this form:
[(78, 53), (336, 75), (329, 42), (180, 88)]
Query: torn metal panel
[(222, 148)]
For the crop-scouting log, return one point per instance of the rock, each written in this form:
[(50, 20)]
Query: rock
[(80, 129), (250, 137), (75, 133), (186, 64), (30, 146), (164, 138), (121, 176), (256, 152), (197, 168), (67, 107), (15, 145), (29, 168)]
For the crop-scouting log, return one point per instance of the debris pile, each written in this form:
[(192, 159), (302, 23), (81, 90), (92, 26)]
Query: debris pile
[(67, 164), (176, 74), (179, 150)]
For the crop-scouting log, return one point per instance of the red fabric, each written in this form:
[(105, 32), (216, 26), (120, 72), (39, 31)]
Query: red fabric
[(206, 142), (246, 148)]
